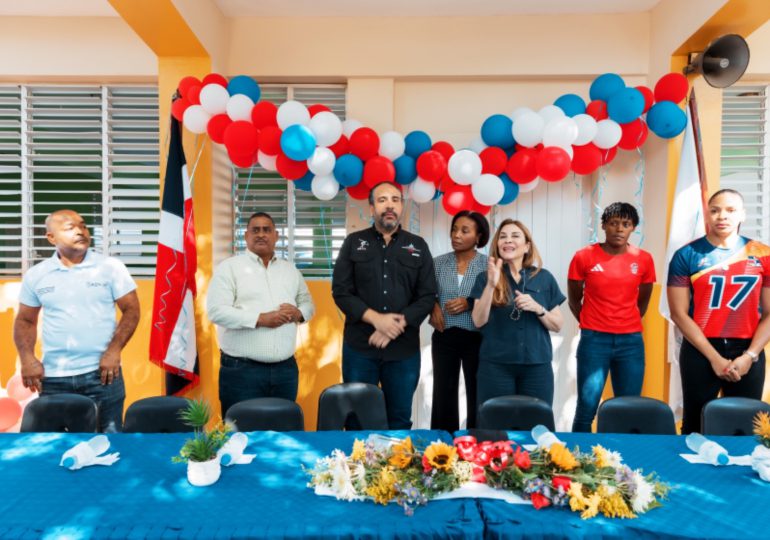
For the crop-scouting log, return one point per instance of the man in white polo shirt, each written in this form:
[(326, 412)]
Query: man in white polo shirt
[(257, 300), (77, 290)]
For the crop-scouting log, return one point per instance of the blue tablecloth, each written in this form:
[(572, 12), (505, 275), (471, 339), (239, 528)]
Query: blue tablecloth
[(705, 502), (145, 495)]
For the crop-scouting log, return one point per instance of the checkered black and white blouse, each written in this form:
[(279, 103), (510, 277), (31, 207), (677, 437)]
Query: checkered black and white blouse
[(449, 285)]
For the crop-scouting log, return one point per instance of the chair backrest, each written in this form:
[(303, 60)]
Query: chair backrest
[(635, 414), (731, 415), (353, 406), (61, 413), (159, 414), (514, 413), (266, 414)]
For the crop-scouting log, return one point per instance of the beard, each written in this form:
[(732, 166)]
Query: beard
[(388, 225)]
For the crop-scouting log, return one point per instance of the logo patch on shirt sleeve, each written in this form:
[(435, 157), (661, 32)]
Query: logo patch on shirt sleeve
[(45, 290)]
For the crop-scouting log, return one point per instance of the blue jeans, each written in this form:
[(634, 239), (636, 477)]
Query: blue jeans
[(398, 379), (497, 379), (109, 398), (242, 378), (622, 355)]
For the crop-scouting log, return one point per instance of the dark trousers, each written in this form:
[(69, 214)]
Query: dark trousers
[(452, 349), (700, 384), (398, 379), (109, 398), (242, 378), (495, 380)]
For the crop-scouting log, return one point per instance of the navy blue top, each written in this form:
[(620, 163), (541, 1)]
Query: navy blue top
[(522, 341)]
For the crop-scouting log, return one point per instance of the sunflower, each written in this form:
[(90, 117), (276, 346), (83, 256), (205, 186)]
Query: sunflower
[(561, 457), (441, 456), (359, 451), (762, 428), (403, 453)]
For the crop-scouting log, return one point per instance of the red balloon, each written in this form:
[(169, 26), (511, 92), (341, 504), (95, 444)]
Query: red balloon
[(634, 134), (186, 83), (586, 159), (242, 160), (270, 140), (194, 95), (360, 191), (553, 164), (241, 138), (178, 107), (364, 143), (341, 146), (378, 169), (10, 413), (263, 114), (671, 87), (493, 160), (598, 109), (609, 155), (480, 208), (214, 78), (431, 166), (649, 98), (217, 126), (315, 109), (445, 184), (458, 198), (443, 148), (522, 167), (290, 169)]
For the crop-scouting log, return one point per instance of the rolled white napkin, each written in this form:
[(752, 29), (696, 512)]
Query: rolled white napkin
[(89, 453), (231, 452)]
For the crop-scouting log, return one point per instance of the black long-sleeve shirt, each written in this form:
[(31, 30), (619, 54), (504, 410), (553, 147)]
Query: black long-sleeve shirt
[(393, 278)]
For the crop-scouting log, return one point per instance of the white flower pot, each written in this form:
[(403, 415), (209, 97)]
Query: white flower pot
[(203, 473)]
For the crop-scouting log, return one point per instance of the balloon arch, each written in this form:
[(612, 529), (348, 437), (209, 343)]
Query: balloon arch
[(313, 148)]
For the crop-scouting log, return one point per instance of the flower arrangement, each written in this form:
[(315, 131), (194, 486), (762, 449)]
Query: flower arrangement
[(205, 442), (760, 457), (401, 472), (762, 428)]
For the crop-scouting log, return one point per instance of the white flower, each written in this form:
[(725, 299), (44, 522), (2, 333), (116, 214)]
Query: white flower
[(342, 485), (644, 493), (614, 459)]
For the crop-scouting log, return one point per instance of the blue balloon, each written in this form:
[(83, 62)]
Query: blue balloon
[(417, 142), (605, 86), (571, 104), (243, 84), (305, 182), (666, 119), (511, 190), (626, 105), (496, 131), (298, 142), (406, 169), (348, 170)]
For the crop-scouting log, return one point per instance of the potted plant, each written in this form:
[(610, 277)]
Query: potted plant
[(200, 452)]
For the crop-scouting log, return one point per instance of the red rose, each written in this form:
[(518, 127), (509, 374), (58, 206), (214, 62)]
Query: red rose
[(521, 459), (478, 475), (466, 447), (539, 501), (561, 482)]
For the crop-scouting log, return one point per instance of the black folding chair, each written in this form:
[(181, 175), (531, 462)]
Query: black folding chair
[(731, 415), (159, 414), (635, 414), (353, 406), (60, 413), (266, 414), (514, 413)]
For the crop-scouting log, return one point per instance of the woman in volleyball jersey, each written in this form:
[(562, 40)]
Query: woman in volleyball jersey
[(719, 296)]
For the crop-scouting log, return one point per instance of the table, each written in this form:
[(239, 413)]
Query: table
[(705, 502), (145, 495)]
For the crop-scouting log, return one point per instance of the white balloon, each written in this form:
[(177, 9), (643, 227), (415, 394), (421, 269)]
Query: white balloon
[(392, 145), (292, 112), (266, 161), (349, 126), (528, 129), (214, 98), (560, 132), (326, 127), (586, 125), (529, 186), (488, 189), (322, 162), (195, 119), (516, 114), (477, 145), (325, 187), (608, 134), (549, 112), (464, 167), (239, 107), (421, 190)]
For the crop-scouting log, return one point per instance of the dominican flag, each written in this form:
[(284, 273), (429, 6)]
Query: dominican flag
[(172, 338)]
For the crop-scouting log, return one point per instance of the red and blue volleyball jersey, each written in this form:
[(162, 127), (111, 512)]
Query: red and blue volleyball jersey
[(725, 285)]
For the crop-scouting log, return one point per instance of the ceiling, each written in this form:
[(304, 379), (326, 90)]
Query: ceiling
[(344, 8)]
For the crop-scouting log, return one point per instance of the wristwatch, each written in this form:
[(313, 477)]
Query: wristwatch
[(544, 312), (754, 356)]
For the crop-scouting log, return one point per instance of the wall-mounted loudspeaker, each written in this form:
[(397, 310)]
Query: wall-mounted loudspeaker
[(723, 62)]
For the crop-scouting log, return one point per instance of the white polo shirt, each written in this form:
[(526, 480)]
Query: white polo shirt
[(78, 309)]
